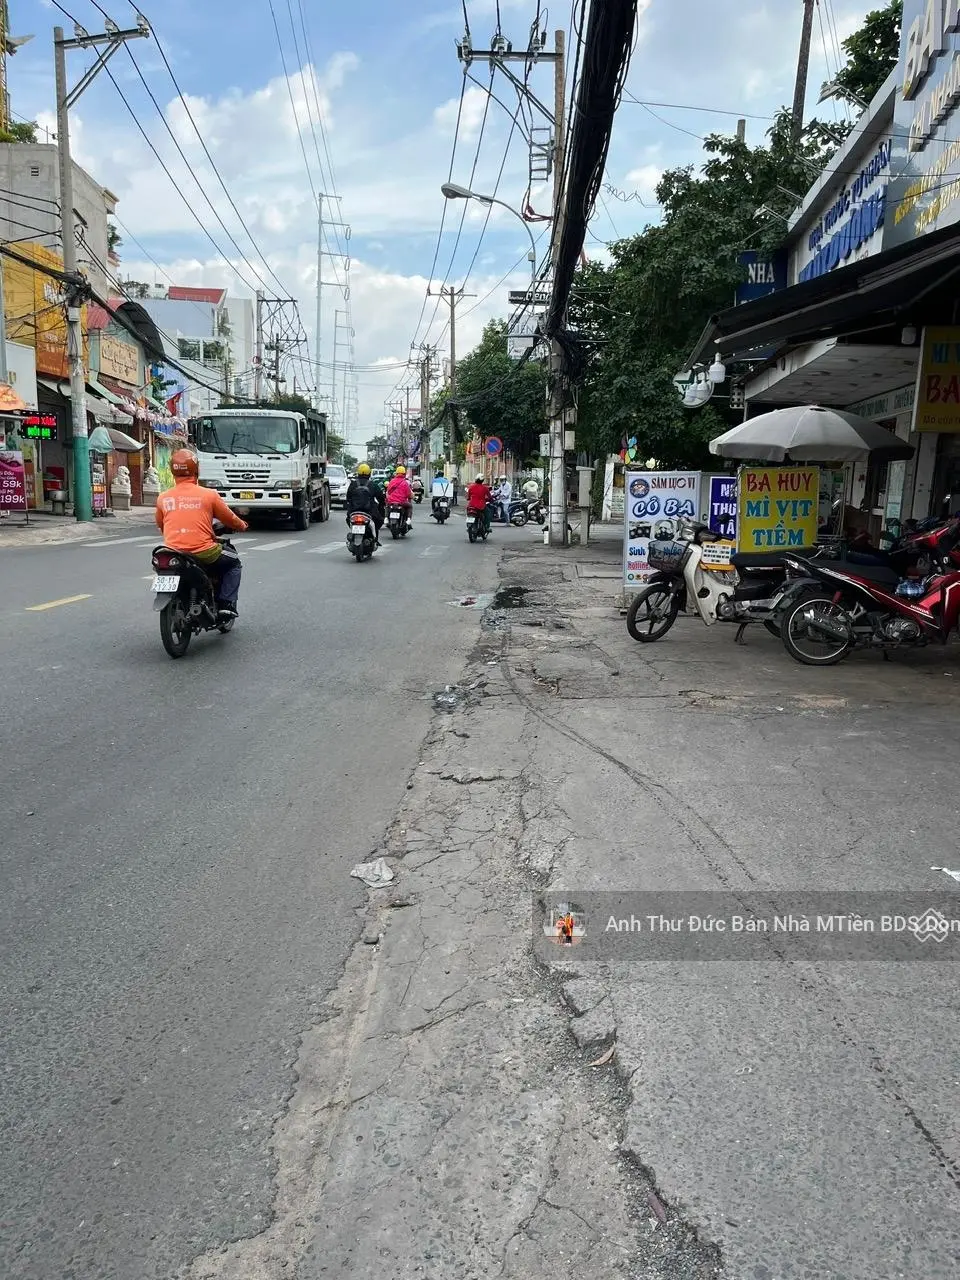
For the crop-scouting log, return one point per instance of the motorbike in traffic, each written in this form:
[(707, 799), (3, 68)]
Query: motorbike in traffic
[(398, 520), (861, 606), (477, 522), (416, 484), (184, 594), (361, 536), (688, 575), (440, 510)]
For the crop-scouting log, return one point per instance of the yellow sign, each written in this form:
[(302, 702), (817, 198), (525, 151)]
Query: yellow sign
[(777, 508), (120, 360), (937, 406), (36, 310)]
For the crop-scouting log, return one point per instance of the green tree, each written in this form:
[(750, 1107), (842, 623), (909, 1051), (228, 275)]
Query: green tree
[(499, 398), (114, 240), (872, 53), (19, 131)]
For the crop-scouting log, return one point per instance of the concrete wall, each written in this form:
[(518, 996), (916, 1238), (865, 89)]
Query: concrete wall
[(29, 200)]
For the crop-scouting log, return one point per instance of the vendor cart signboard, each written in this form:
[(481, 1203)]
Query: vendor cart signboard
[(654, 504), (777, 508)]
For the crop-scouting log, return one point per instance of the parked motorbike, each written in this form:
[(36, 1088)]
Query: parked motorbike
[(526, 509), (440, 510), (416, 484), (398, 521), (185, 597), (361, 536), (869, 606), (476, 522), (756, 589)]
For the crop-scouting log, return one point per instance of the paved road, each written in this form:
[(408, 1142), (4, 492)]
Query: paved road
[(176, 896)]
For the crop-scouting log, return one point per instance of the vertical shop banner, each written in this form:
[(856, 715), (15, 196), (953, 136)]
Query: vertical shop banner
[(722, 509), (937, 405), (29, 450), (13, 481), (98, 482), (777, 508), (654, 504)]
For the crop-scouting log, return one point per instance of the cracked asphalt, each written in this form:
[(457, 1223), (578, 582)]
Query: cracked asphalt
[(403, 1088)]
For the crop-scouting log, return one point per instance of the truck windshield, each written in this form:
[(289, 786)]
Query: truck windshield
[(236, 434)]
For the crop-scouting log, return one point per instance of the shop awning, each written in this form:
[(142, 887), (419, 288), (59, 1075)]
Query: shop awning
[(877, 289), (849, 371), (100, 437), (102, 403)]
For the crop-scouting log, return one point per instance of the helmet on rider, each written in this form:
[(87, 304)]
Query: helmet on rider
[(363, 469), (400, 471), (184, 465), (480, 480)]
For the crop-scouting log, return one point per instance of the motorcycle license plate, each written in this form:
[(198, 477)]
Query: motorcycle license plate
[(471, 520), (357, 535), (394, 515), (165, 583), (246, 496)]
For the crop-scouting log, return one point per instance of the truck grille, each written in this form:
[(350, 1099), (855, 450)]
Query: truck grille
[(246, 479)]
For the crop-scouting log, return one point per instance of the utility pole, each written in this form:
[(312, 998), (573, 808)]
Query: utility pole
[(557, 509), (258, 358), (111, 40), (803, 66), (322, 284), (425, 379), (453, 296)]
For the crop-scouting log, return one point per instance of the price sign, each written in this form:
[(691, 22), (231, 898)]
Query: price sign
[(13, 481)]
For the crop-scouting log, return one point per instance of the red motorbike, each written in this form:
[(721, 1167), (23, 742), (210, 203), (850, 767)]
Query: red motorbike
[(877, 606)]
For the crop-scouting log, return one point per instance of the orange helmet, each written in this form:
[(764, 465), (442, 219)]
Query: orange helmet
[(184, 465)]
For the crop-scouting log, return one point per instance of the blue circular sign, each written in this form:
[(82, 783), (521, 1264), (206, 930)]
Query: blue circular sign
[(493, 446)]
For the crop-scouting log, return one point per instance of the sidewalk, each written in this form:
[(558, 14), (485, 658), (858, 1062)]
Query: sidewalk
[(464, 1111), (44, 529)]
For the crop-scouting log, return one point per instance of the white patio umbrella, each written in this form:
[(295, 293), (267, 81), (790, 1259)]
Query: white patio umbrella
[(809, 433)]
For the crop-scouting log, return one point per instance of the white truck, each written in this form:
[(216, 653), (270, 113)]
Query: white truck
[(271, 461)]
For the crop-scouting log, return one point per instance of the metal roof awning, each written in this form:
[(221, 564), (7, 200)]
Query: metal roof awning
[(834, 372), (875, 288)]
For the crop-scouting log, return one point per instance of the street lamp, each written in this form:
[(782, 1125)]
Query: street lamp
[(831, 89), (453, 191)]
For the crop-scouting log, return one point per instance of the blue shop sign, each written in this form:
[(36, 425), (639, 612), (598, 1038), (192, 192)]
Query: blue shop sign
[(765, 275), (837, 236)]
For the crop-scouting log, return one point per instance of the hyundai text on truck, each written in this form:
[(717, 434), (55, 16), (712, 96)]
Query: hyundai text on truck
[(267, 461)]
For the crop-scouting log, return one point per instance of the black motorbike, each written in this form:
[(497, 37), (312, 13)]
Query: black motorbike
[(478, 522), (361, 536), (417, 486), (525, 510), (398, 520), (185, 597), (440, 509)]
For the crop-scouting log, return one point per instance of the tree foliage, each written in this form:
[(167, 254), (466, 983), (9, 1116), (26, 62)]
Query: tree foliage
[(499, 399), (19, 131), (872, 53)]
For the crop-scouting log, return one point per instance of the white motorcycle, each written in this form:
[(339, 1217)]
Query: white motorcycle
[(699, 572)]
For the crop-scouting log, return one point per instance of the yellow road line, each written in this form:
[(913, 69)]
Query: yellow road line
[(52, 604)]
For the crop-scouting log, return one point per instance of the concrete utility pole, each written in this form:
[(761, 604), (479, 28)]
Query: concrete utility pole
[(557, 509), (803, 66), (111, 40), (258, 358), (453, 296), (425, 379)]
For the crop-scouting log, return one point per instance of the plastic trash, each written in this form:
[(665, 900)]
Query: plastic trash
[(375, 875)]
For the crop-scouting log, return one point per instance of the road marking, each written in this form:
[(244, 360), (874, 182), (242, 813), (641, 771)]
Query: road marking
[(119, 542), (432, 551), (52, 604), (324, 550), (947, 871), (275, 546)]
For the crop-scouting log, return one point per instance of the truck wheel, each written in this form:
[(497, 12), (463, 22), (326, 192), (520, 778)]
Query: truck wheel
[(324, 505), (301, 514)]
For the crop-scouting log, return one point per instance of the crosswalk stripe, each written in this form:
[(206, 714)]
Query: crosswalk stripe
[(119, 542), (324, 550), (275, 546), (432, 551)]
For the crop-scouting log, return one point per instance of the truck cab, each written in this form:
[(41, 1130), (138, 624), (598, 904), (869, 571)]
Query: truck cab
[(265, 460)]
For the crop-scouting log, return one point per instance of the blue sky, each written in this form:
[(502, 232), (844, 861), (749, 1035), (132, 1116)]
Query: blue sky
[(387, 84)]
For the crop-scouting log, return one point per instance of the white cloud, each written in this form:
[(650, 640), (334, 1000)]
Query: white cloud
[(470, 115)]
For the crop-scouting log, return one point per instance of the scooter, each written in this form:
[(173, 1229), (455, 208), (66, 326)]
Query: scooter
[(526, 509), (416, 484), (398, 521), (361, 536), (476, 522), (867, 606), (440, 509), (755, 588)]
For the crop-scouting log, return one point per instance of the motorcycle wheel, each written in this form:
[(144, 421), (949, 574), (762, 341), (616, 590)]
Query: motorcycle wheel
[(518, 519), (773, 627), (472, 534), (175, 631), (654, 607), (796, 637), (394, 533)]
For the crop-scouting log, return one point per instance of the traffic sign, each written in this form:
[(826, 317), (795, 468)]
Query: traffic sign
[(523, 297), (493, 446)]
